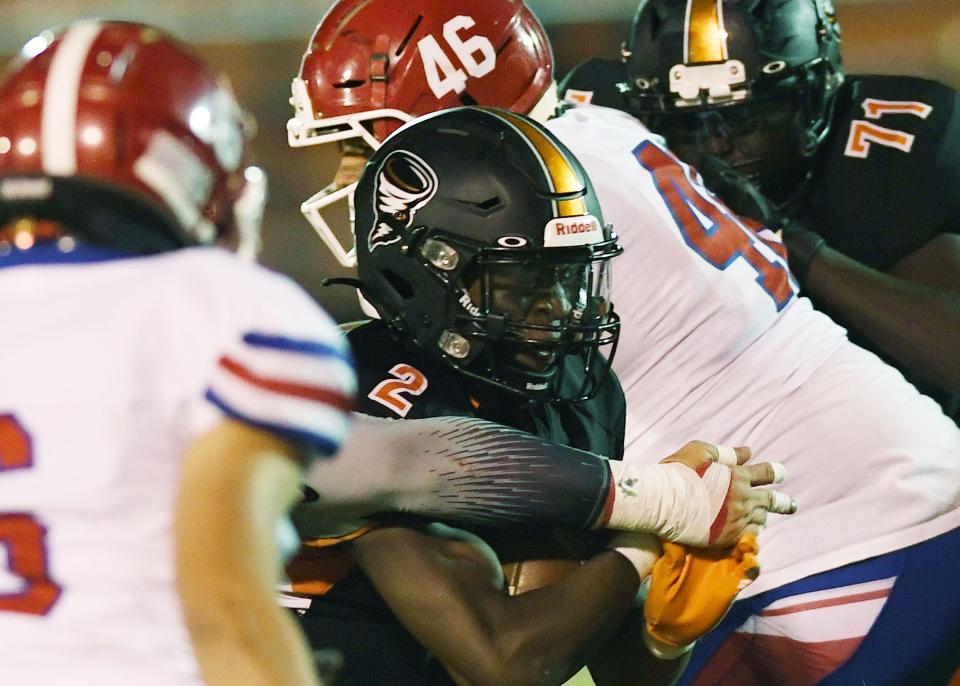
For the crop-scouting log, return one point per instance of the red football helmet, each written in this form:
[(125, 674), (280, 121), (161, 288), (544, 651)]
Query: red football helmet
[(105, 122), (374, 64)]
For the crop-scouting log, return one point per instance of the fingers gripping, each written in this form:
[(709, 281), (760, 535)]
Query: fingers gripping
[(767, 473), (727, 456), (747, 509), (695, 454), (781, 503), (691, 498), (748, 568)]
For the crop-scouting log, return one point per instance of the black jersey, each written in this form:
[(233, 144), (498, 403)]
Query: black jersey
[(398, 381), (884, 182), (403, 382), (596, 82), (887, 179)]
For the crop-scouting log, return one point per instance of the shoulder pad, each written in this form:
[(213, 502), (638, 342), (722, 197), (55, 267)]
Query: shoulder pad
[(594, 82)]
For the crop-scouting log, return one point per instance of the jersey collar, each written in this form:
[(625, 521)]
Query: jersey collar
[(52, 253)]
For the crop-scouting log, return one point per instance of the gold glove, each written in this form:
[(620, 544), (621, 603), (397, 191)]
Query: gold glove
[(691, 590)]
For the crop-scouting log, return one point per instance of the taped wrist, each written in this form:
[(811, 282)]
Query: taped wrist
[(640, 549), (670, 500)]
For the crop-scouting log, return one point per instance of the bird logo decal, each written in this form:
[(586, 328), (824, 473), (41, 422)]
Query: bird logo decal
[(405, 183)]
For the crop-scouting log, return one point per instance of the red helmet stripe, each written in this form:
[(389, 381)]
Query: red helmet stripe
[(60, 98), (705, 39)]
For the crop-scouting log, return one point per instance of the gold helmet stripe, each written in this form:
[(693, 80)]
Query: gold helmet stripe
[(560, 171), (705, 39)]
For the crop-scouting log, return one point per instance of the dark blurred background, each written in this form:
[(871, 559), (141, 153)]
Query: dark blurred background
[(259, 45)]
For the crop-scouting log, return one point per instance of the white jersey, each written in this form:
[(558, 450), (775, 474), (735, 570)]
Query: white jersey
[(716, 345), (109, 370)]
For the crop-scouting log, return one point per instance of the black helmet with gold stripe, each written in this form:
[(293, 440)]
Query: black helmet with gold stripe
[(480, 241), (750, 81)]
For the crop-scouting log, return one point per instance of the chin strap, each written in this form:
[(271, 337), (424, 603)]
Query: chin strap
[(361, 288)]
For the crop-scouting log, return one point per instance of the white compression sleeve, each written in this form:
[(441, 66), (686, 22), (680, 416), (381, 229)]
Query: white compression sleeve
[(464, 470)]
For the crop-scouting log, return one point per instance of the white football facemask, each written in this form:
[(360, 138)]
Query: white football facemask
[(248, 212), (306, 129)]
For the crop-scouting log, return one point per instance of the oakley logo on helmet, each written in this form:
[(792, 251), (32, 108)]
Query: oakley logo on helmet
[(405, 183), (568, 231)]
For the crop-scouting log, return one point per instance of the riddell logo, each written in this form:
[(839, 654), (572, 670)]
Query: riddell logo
[(565, 231), (571, 228), (467, 304)]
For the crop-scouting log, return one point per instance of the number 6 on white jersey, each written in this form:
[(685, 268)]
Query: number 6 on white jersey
[(441, 75)]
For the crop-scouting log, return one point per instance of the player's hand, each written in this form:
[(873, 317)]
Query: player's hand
[(703, 495), (746, 508), (691, 590)]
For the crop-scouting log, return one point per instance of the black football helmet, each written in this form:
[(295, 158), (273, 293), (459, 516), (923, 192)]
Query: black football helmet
[(749, 81), (480, 241)]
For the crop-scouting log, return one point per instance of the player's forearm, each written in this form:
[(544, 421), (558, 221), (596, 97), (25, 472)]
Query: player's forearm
[(462, 470), (539, 637), (915, 324), (237, 483), (479, 473), (266, 651), (559, 627)]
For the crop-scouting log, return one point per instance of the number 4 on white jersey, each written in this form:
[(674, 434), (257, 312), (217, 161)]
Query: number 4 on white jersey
[(442, 76)]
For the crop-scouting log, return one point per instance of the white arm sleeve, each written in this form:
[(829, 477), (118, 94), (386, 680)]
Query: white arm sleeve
[(462, 469)]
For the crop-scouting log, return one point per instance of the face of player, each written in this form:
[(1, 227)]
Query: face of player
[(759, 139), (538, 300), (351, 166)]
